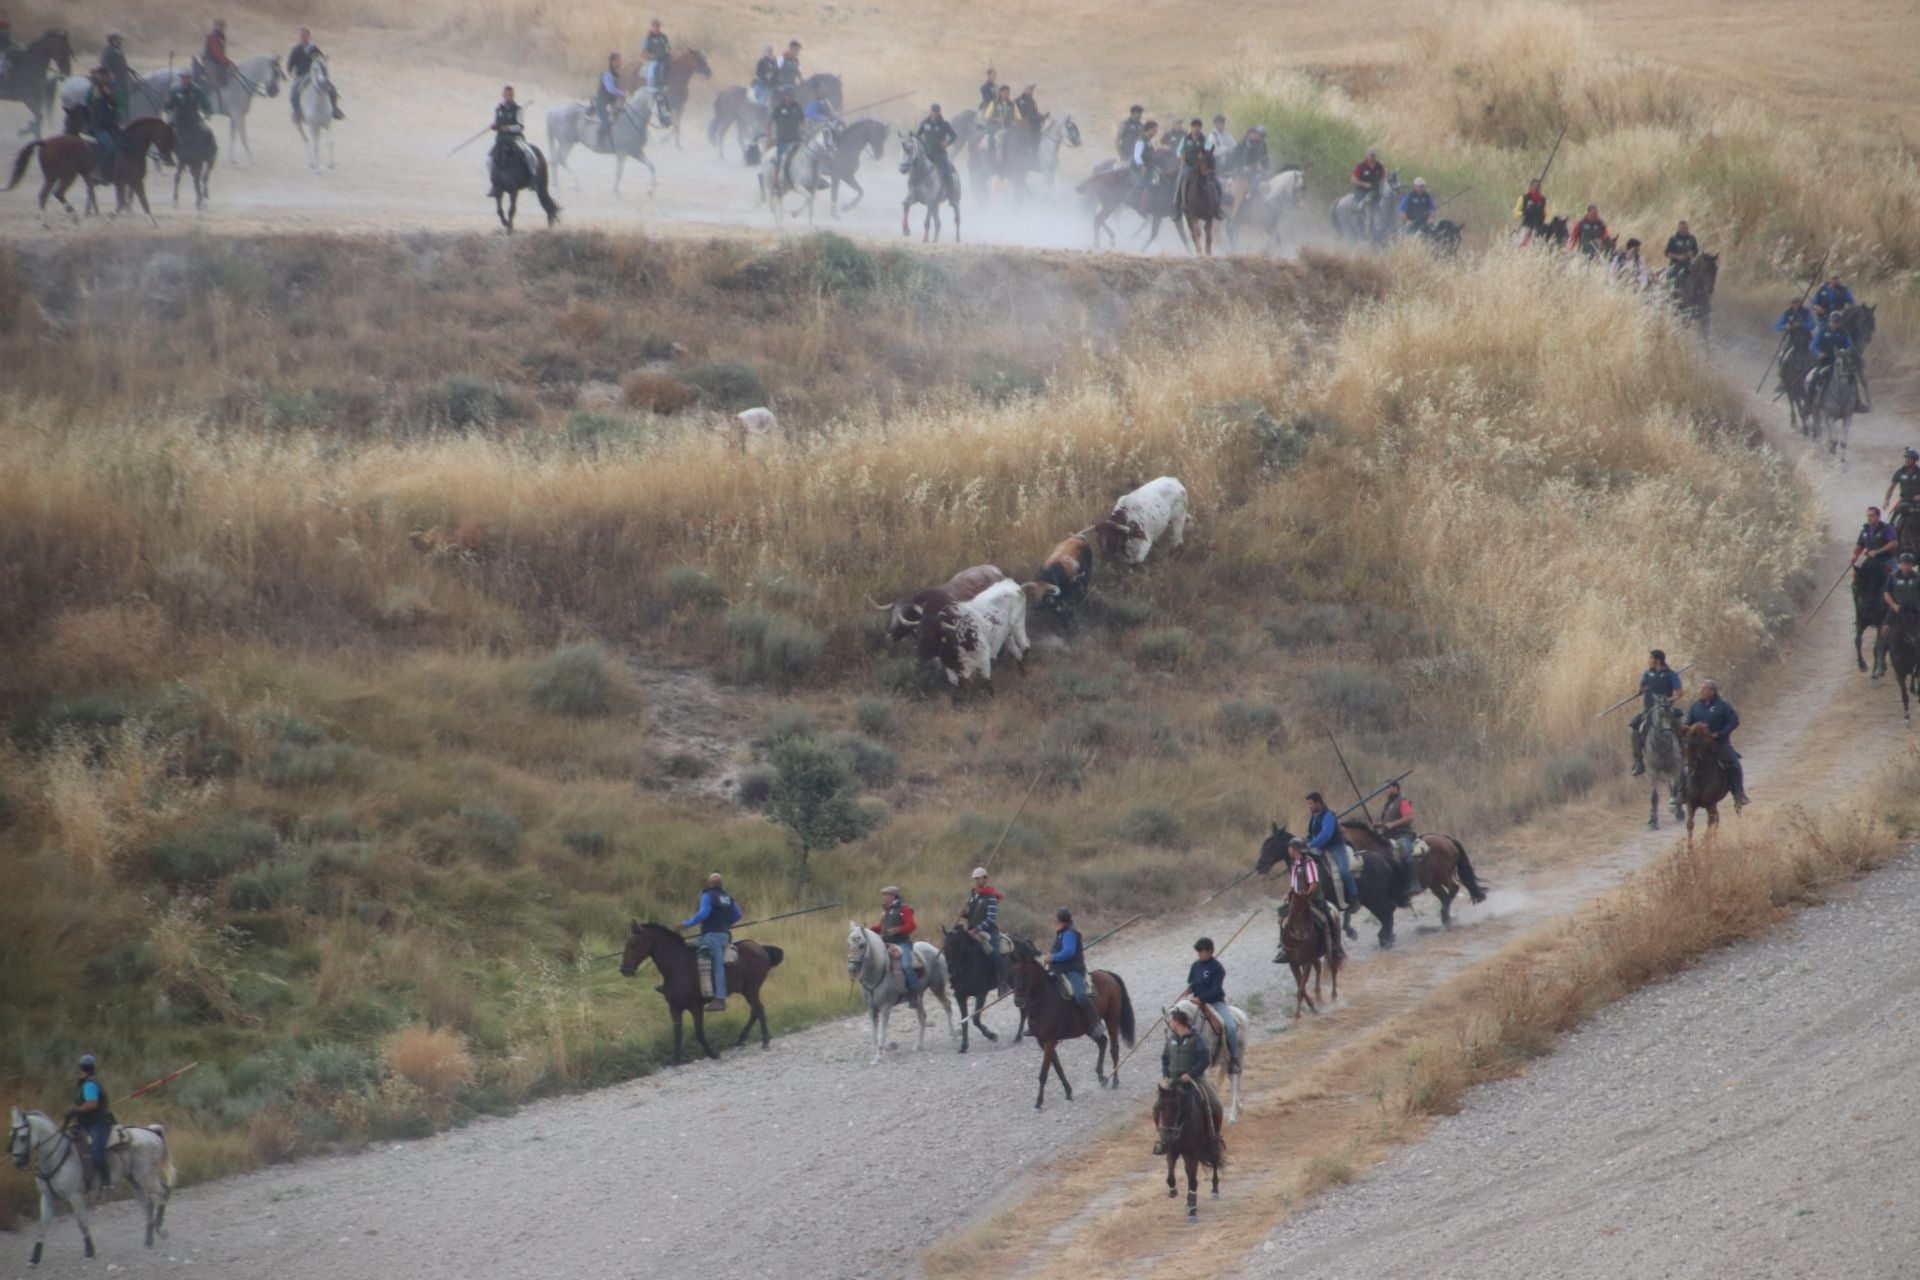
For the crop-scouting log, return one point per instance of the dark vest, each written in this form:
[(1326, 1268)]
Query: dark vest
[(722, 915), (1905, 589), (1078, 962), (103, 1115), (977, 904), (1908, 478), (890, 921), (1183, 1055)]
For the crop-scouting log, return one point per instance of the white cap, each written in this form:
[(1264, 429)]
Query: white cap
[(979, 873)]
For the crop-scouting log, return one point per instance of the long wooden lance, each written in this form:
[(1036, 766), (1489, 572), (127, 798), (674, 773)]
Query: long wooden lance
[(1353, 782), (1084, 947), (1163, 1017), (1830, 590), (784, 915), (1679, 671), (1398, 777), (171, 1075), (1551, 154)]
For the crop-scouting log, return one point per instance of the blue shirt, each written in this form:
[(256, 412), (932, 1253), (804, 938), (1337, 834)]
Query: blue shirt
[(1827, 342), (1067, 952), (1833, 295), (1208, 978), (1794, 317), (1719, 717), (610, 84), (1654, 683), (718, 912), (1323, 830), (1417, 205), (90, 1091), (1875, 536), (818, 111)]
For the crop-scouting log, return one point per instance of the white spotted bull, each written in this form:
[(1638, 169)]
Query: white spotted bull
[(1156, 510), (915, 615), (975, 632)]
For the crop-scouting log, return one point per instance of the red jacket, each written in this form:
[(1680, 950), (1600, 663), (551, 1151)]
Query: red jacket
[(1369, 172), (906, 922), (1573, 240), (217, 49)]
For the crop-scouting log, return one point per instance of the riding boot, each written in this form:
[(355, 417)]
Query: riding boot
[(1096, 1029), (1002, 976), (1740, 784), (334, 94), (1404, 897), (105, 1176)]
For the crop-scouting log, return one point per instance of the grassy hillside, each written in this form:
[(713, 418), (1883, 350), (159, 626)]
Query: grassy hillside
[(393, 620)]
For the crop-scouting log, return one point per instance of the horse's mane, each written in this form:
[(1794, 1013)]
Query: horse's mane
[(654, 926)]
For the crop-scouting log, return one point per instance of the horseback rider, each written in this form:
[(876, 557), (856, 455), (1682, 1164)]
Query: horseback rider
[(1417, 207), (1369, 179), (989, 89), (896, 930), (1221, 138), (114, 58), (1589, 233), (1207, 983), (820, 112), (509, 133), (90, 1114), (1324, 838), (1070, 958), (1878, 541), (1531, 209), (299, 63), (716, 916), (1798, 317), (997, 116), (1715, 712), (1396, 827), (214, 54), (1682, 249), (1658, 681), (786, 75), (1304, 876), (935, 134), (1829, 342), (788, 123), (656, 49), (188, 105), (1903, 594), (1128, 133), (1145, 171), (1832, 296), (1249, 163), (1627, 262), (1195, 145), (1907, 481), (103, 120), (981, 919), (1184, 1062), (764, 71), (607, 95)]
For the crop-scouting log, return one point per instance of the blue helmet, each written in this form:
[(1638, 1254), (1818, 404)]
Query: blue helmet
[(86, 1061)]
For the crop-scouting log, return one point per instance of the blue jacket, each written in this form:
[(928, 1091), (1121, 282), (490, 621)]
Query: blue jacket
[(819, 111), (1417, 205), (1830, 296), (1875, 536), (1794, 317), (1718, 715), (1654, 683), (1208, 978), (718, 913), (1323, 830), (1068, 955), (1830, 342)]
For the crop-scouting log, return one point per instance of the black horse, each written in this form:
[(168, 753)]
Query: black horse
[(514, 169), (1903, 648), (1870, 614), (970, 975), (1373, 874), (680, 968)]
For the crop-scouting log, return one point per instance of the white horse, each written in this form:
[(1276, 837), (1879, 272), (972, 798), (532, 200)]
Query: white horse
[(1372, 222), (871, 961), (138, 1158), (806, 172), (258, 76), (574, 125), (316, 110), (1057, 134), (1229, 1081)]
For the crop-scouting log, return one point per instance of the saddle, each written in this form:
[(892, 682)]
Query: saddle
[(704, 960), (897, 953), (986, 943)]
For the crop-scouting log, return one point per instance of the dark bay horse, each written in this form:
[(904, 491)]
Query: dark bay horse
[(1306, 950), (512, 171), (1443, 872), (26, 78), (69, 158), (1870, 614), (197, 152), (681, 969), (1189, 1121), (1114, 188), (971, 976), (1693, 291), (1052, 1017), (1198, 201), (1795, 364), (844, 162), (1903, 649), (1708, 779), (682, 67)]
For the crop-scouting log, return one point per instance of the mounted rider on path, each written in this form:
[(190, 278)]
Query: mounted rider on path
[(1128, 133), (1682, 250), (1369, 184), (1658, 681), (1907, 481), (213, 55), (1141, 162), (1183, 1065), (189, 106), (1324, 838), (1396, 828), (1069, 958), (1830, 343), (1531, 209), (90, 1114), (1589, 234), (1417, 208), (788, 125), (716, 916), (981, 919), (608, 97), (1207, 984), (989, 89), (299, 65), (764, 71), (103, 122), (1305, 876), (935, 135), (1721, 719), (509, 135), (1196, 151), (658, 50), (1878, 541), (1832, 296), (114, 58), (1903, 595), (896, 931)]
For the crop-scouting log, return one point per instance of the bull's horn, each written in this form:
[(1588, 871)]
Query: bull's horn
[(881, 607)]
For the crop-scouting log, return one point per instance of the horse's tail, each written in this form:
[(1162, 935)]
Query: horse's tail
[(168, 1174), (540, 190), (1475, 890), (774, 955), (20, 163), (1126, 1010), (719, 116)]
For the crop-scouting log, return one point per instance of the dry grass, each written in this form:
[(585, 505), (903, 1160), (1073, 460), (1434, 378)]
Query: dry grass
[(432, 1059)]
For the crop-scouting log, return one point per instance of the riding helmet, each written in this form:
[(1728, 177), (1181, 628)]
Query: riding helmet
[(86, 1060), (1064, 916), (1906, 557)]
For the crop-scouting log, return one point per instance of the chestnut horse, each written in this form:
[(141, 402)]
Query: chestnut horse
[(1052, 1017), (682, 67), (1708, 779), (69, 158), (1306, 951), (1188, 1119), (680, 967)]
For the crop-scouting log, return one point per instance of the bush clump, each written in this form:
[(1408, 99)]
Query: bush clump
[(873, 764), (490, 834), (1154, 824), (208, 852), (784, 724), (691, 589), (814, 797), (728, 385), (658, 393), (271, 886), (1313, 624), (1240, 721), (463, 402), (573, 681), (1358, 696), (754, 785), (876, 717), (773, 648), (1166, 647)]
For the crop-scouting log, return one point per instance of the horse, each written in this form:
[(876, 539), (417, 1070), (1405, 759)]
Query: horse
[(1016, 152), (1267, 204), (137, 1157), (805, 171), (26, 78), (871, 961), (735, 111), (1113, 188), (512, 169), (1217, 1050), (1443, 870), (1198, 200), (1858, 323), (1835, 401), (844, 163), (1443, 236), (1660, 752), (64, 159), (1870, 614), (1054, 136), (927, 185), (1795, 364), (1902, 641), (972, 976), (1369, 222), (682, 67), (315, 102), (1693, 291), (196, 150), (1053, 1017), (573, 125), (68, 158), (680, 969), (258, 76), (1189, 1133), (1708, 778), (1306, 950)]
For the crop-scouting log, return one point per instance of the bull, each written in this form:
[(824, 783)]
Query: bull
[(1065, 575), (972, 633), (914, 615), (1156, 510)]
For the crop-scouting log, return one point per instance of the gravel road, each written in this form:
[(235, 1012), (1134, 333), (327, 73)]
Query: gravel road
[(1754, 1118)]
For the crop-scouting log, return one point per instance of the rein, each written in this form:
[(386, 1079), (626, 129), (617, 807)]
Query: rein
[(43, 1173)]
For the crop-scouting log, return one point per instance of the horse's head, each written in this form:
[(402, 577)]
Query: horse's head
[(857, 935), (1698, 740), (1026, 973), (59, 49), (909, 151), (1556, 231), (19, 1138), (700, 67), (1273, 850), (1072, 131), (639, 948), (274, 76)]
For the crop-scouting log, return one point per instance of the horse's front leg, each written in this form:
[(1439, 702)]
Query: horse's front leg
[(1046, 1061), (46, 1219), (1193, 1186), (1173, 1186), (679, 1033)]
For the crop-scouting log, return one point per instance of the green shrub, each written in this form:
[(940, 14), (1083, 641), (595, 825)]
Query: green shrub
[(973, 836), (573, 682), (773, 648), (998, 378), (873, 764), (1166, 647), (875, 716), (838, 265), (1240, 721), (1313, 624), (588, 842), (785, 722), (1078, 684), (292, 411), (281, 883), (813, 797), (753, 785), (685, 765), (1119, 611), (908, 678), (489, 834), (1359, 696), (463, 402), (290, 765), (1568, 776), (208, 852), (593, 432), (1154, 824), (1083, 729), (690, 589), (728, 385)]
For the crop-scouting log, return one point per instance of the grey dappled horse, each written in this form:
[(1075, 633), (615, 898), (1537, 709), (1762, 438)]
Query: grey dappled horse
[(1833, 405), (870, 960), (805, 172), (258, 76), (141, 1161), (316, 112), (574, 125), (928, 186), (1666, 765), (1373, 223)]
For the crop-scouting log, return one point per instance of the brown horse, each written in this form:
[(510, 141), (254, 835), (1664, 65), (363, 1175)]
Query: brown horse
[(1187, 1132), (1693, 292), (69, 158), (682, 67), (681, 969), (1113, 188), (1307, 951), (735, 111), (1198, 201), (1707, 780), (1052, 1017)]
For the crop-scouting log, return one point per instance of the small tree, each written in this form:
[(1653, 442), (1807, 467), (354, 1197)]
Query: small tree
[(814, 797)]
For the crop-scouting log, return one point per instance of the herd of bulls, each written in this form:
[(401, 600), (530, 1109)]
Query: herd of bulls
[(977, 615)]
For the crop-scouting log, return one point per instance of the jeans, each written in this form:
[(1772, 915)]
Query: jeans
[(715, 945), (98, 1133), (656, 73), (1342, 855), (1226, 1021), (906, 961), (1077, 983), (600, 113)]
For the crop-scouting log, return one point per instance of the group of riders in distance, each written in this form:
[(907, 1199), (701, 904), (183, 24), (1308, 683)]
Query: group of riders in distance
[(1885, 566)]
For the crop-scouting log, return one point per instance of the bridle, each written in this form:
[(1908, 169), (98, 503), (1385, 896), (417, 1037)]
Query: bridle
[(22, 1158)]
